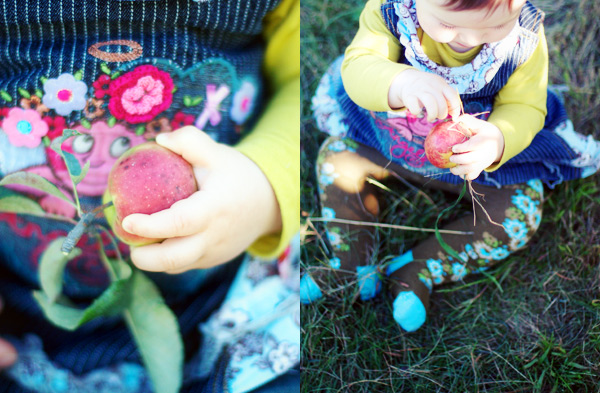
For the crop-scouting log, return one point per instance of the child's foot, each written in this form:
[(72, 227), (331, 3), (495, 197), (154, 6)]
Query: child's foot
[(309, 290), (409, 311), (412, 294)]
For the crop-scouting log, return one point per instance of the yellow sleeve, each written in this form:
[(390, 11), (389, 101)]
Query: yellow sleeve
[(371, 61), (274, 143), (520, 107)]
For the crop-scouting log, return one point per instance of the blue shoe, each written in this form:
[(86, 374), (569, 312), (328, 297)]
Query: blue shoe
[(409, 311), (309, 290)]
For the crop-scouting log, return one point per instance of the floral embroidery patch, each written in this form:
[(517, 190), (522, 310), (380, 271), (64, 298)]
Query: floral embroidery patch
[(145, 98)]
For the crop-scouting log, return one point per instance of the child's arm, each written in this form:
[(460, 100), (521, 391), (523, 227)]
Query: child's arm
[(375, 80), (517, 116), (249, 195)]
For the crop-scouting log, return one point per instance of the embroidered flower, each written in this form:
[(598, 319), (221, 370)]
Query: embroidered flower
[(34, 102), (101, 86), (436, 269), (335, 263), (515, 229), (334, 239), (243, 102), (65, 94), (524, 203), (459, 271), (499, 253), (24, 127), (4, 111), (328, 174), (93, 108), (427, 281), (536, 185), (182, 119), (157, 126), (56, 125), (328, 213), (139, 95)]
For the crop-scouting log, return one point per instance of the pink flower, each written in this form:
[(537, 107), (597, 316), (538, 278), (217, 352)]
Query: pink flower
[(141, 94), (24, 127)]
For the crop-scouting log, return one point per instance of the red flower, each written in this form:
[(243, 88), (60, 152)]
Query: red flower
[(139, 95), (56, 125), (102, 86), (182, 119)]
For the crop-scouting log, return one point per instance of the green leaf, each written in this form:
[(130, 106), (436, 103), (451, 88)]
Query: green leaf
[(111, 121), (449, 250), (5, 96), (39, 93), (52, 266), (24, 93), (64, 315), (34, 181), (196, 101), (115, 75), (187, 100), (21, 204), (86, 123), (43, 80), (105, 69), (140, 130), (86, 167), (78, 75), (73, 165), (156, 332)]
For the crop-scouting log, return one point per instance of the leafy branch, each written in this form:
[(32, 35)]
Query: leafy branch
[(130, 293)]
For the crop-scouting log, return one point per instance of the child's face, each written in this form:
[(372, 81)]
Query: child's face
[(464, 30)]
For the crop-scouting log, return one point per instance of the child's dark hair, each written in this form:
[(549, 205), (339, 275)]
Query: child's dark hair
[(464, 5)]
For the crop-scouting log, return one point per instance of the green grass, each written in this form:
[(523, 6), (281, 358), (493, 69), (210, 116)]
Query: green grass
[(533, 324)]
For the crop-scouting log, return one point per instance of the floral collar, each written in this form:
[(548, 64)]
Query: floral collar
[(466, 79)]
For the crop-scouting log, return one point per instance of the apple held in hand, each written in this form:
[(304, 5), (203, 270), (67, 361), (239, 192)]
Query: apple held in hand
[(146, 179), (439, 142)]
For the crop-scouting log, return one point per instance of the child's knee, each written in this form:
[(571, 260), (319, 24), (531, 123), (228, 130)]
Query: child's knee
[(340, 165)]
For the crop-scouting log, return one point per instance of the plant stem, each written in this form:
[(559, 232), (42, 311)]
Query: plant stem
[(375, 224)]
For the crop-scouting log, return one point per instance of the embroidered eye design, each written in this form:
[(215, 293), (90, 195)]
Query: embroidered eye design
[(83, 143), (119, 146)]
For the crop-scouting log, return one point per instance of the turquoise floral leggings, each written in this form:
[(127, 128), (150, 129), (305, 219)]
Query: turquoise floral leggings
[(343, 168)]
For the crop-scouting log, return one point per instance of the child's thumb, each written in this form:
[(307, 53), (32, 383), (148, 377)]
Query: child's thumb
[(194, 145)]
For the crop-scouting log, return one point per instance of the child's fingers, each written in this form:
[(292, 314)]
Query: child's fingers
[(413, 105), (183, 218), (453, 101), (194, 145), (172, 255), (429, 103), (469, 172)]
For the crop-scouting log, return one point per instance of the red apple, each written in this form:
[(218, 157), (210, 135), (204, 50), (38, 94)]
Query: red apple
[(146, 179), (439, 142)]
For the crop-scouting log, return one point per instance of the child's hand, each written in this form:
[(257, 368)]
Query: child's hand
[(8, 354), (485, 148), (235, 205), (416, 90)]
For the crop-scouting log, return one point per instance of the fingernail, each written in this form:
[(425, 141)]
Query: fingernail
[(8, 355)]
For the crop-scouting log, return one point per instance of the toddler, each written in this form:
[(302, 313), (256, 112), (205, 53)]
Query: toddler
[(218, 83), (412, 64)]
